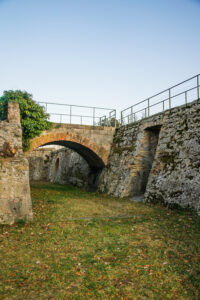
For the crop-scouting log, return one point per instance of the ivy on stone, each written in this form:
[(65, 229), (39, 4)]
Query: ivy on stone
[(33, 118)]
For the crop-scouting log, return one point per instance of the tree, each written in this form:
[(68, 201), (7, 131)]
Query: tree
[(33, 118)]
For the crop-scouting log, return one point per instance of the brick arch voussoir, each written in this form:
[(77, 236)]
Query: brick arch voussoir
[(58, 136)]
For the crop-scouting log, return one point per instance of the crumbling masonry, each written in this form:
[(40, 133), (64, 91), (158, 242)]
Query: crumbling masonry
[(15, 199)]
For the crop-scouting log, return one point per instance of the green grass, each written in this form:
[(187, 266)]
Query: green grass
[(87, 246)]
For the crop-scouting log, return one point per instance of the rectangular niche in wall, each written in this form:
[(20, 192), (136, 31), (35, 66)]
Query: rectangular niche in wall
[(145, 159)]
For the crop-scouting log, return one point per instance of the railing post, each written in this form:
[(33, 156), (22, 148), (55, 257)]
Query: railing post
[(60, 119), (70, 115), (106, 122), (198, 94), (115, 116), (163, 105), (93, 116), (148, 107), (110, 117), (121, 118), (186, 97), (169, 98), (132, 113)]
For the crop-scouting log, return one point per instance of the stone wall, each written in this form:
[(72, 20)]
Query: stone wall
[(63, 166), (39, 163), (173, 175), (68, 167), (15, 200), (10, 130)]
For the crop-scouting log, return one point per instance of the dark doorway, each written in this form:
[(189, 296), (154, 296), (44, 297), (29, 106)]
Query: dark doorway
[(144, 160), (152, 142), (57, 164)]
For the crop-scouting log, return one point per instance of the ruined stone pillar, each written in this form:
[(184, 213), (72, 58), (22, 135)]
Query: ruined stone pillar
[(15, 199)]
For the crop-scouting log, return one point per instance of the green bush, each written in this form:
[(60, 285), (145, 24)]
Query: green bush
[(113, 122), (3, 109), (33, 118)]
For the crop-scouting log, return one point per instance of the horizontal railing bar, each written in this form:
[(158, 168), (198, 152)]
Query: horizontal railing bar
[(164, 91), (143, 109), (173, 87), (161, 101), (73, 105), (185, 92), (113, 111), (68, 115), (183, 82), (135, 105), (174, 96), (83, 116)]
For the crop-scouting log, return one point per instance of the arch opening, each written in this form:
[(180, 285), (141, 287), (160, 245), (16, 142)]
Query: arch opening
[(94, 162)]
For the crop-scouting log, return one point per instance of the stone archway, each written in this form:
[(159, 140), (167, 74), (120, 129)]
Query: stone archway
[(95, 153), (91, 143)]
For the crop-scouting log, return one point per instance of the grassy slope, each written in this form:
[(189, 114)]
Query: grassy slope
[(152, 254)]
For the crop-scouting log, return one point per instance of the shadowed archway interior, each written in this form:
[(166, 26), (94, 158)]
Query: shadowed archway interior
[(93, 160)]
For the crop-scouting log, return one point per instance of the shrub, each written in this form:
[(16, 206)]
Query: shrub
[(3, 109)]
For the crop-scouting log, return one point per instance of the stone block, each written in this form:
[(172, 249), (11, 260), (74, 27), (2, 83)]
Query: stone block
[(15, 200)]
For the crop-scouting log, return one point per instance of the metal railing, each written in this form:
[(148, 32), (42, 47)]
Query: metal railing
[(77, 114), (179, 94)]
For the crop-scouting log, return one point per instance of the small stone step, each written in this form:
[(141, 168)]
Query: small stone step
[(139, 198)]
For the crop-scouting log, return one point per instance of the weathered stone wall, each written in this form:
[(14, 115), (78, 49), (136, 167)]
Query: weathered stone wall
[(15, 200), (39, 163), (174, 176), (128, 160), (10, 130), (63, 166), (68, 167)]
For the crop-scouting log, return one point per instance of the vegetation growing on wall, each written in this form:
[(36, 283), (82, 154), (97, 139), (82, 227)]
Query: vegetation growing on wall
[(33, 118), (113, 122), (3, 109)]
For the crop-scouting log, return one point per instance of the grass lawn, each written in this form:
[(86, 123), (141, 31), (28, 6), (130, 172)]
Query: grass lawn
[(87, 246)]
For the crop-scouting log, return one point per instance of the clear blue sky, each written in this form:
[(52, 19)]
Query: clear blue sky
[(109, 53)]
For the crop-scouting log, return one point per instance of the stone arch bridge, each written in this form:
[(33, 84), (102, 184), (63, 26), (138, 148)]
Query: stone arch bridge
[(93, 143)]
